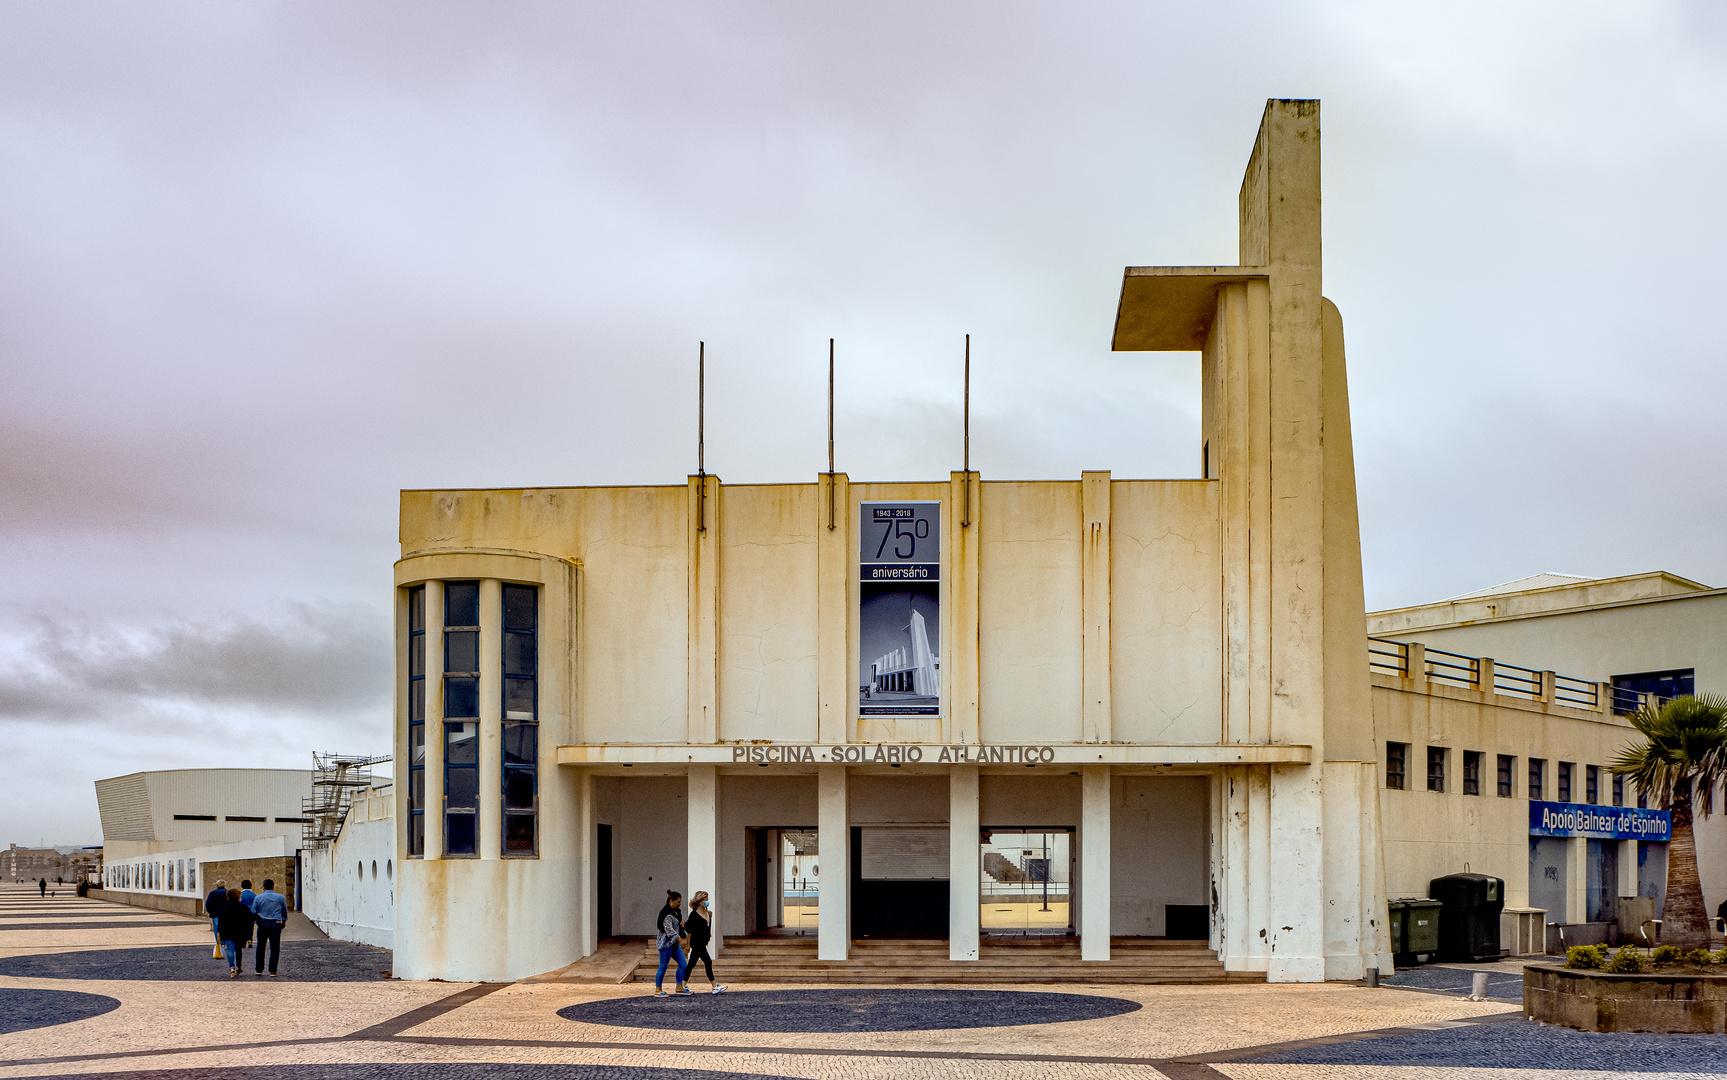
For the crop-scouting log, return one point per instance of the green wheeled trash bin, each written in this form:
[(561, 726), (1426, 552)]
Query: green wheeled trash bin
[(1469, 922), (1420, 931)]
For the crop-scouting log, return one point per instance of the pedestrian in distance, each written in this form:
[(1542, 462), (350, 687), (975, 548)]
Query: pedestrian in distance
[(234, 927), (270, 909), (213, 907), (246, 893), (671, 943), (42, 887), (699, 927)]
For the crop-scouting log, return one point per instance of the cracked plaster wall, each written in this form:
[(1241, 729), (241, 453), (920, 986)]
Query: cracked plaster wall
[(767, 632)]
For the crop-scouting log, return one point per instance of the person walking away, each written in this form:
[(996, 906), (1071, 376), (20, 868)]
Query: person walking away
[(671, 942), (213, 907), (270, 909), (234, 927), (699, 927), (42, 887), (246, 893)]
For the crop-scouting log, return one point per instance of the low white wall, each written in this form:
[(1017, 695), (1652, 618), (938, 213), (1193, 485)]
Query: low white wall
[(349, 888)]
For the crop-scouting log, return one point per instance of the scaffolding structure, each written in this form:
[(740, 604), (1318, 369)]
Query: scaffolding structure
[(335, 778)]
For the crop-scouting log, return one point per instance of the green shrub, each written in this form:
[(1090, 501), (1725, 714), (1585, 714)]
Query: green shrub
[(1627, 961), (1720, 957), (1699, 957), (1664, 955), (1586, 956)]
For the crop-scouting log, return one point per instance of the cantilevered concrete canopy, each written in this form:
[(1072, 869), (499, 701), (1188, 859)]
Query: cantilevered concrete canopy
[(1170, 308)]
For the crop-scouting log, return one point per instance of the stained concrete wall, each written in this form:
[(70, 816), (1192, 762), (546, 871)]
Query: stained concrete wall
[(349, 887), (1160, 853)]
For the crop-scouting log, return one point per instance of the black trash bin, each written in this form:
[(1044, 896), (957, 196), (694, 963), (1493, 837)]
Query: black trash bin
[(1469, 919)]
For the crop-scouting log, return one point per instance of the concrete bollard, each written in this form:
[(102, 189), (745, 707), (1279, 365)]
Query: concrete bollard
[(1478, 988), (1372, 979)]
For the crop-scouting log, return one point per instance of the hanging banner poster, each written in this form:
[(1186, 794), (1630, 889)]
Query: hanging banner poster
[(899, 609)]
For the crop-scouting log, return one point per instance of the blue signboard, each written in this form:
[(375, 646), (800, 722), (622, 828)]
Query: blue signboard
[(1599, 822)]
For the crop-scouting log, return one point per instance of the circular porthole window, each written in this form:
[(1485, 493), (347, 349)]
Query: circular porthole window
[(374, 869), (389, 868), (360, 869)]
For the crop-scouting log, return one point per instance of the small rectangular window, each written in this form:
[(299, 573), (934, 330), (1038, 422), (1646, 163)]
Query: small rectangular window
[(1628, 690), (461, 788), (1471, 772), (1436, 768), (1642, 799), (1507, 775), (1396, 755), (1592, 784), (194, 817), (1565, 770), (1618, 790), (1537, 778), (236, 817)]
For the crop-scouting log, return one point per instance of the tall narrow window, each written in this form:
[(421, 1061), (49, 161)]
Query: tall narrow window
[(1618, 791), (521, 715), (1471, 772), (461, 717), (1537, 778), (1436, 768), (1507, 772), (417, 720), (1396, 756), (1591, 784), (1565, 770)]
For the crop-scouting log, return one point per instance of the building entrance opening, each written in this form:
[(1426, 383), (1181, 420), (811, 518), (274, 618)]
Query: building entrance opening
[(1025, 886), (603, 880), (900, 881), (781, 889)]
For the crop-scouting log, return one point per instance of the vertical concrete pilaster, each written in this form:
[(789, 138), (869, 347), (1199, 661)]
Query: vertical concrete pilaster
[(836, 585), (587, 856), (960, 652), (833, 825), (1576, 880), (1627, 883), (434, 805), (704, 609), (1094, 602), (964, 842), (704, 843), (491, 822), (1094, 845)]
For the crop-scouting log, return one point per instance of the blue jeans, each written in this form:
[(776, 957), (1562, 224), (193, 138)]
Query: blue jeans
[(231, 953), (666, 956)]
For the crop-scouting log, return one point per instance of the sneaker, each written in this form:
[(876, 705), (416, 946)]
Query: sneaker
[(233, 973), (685, 990), (719, 989), (662, 993), (272, 974)]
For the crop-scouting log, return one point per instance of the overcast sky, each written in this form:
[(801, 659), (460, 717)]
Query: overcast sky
[(262, 265)]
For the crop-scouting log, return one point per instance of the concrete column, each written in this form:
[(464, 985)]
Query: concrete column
[(1604, 697), (1576, 880), (1484, 675), (836, 585), (1416, 661), (1627, 884), (834, 835), (491, 821), (434, 720), (704, 846), (587, 870), (963, 869), (1549, 686), (1094, 592), (1094, 863), (704, 610)]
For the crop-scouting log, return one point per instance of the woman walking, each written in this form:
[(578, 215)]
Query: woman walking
[(699, 927), (234, 928), (671, 941)]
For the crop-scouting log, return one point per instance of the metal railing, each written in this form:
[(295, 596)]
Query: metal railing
[(1446, 667), (1514, 681), (1388, 657), (1577, 692)]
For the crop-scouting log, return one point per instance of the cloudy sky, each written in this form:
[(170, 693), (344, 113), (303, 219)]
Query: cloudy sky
[(262, 265)]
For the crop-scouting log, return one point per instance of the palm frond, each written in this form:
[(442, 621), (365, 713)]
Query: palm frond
[(1683, 752)]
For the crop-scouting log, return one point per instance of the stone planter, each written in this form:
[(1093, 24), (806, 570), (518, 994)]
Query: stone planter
[(1594, 1001)]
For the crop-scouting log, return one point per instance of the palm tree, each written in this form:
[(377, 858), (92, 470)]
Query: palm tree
[(1682, 758)]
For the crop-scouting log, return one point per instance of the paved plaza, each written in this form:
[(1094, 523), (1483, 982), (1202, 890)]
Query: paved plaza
[(89, 988)]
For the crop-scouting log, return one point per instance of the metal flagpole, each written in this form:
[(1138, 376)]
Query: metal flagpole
[(830, 434), (965, 518), (701, 437)]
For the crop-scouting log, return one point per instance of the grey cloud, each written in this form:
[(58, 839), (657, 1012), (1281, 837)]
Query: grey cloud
[(318, 659)]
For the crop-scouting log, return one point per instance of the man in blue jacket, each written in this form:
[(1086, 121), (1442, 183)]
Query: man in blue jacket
[(213, 907), (270, 908)]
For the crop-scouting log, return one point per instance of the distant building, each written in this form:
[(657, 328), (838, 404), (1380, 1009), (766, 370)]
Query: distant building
[(33, 864), (161, 829)]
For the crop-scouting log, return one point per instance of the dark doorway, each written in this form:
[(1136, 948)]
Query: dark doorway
[(603, 880), (901, 897)]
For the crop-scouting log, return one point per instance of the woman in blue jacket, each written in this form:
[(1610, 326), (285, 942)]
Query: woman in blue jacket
[(671, 941)]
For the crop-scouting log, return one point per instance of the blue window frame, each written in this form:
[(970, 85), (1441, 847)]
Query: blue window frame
[(1627, 689), (417, 720), (461, 718), (521, 734)]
